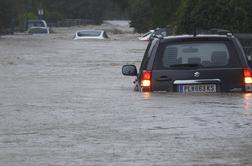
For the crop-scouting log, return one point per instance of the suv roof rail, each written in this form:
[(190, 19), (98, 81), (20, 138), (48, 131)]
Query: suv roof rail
[(213, 31), (220, 31)]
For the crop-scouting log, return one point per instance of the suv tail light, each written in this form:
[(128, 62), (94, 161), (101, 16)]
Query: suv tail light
[(247, 79), (146, 80)]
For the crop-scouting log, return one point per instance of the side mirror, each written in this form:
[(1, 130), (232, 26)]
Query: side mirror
[(129, 70)]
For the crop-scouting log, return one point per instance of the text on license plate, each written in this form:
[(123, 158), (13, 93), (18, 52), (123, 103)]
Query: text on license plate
[(197, 88)]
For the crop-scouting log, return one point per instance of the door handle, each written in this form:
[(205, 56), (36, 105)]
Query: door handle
[(164, 78)]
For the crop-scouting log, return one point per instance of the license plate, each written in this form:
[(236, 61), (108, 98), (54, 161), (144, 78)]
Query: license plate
[(209, 88)]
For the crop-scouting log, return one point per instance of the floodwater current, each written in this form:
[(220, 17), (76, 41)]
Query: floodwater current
[(65, 102)]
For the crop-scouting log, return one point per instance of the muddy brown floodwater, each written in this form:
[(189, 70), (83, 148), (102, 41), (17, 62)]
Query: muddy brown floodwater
[(65, 102)]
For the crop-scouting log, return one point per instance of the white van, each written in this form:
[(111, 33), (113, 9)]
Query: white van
[(37, 27)]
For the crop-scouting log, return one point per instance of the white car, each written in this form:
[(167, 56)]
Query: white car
[(146, 36), (90, 34)]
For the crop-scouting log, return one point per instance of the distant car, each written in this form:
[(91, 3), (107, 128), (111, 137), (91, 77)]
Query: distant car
[(158, 32), (37, 27), (90, 34), (36, 23), (193, 63), (146, 36)]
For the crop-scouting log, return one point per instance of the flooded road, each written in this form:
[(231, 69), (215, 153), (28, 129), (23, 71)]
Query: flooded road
[(65, 102)]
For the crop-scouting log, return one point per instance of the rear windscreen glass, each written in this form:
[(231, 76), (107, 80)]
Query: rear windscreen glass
[(89, 33), (205, 54), (36, 24)]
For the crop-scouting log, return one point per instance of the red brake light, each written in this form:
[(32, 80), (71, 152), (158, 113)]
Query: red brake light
[(247, 76), (146, 78), (146, 75), (247, 73)]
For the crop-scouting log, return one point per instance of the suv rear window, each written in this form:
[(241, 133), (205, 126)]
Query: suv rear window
[(205, 54)]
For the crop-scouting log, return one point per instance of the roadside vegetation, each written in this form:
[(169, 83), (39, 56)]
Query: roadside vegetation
[(182, 15)]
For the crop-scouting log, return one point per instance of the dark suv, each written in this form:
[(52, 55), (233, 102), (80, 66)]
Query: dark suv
[(200, 63)]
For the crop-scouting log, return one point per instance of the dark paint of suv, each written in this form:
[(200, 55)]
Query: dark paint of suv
[(202, 63)]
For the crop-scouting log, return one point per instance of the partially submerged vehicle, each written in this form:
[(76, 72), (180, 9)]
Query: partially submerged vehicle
[(37, 27), (38, 30), (146, 36), (193, 63), (90, 34), (158, 32)]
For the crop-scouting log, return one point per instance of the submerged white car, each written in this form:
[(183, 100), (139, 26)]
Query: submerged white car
[(146, 36), (90, 34)]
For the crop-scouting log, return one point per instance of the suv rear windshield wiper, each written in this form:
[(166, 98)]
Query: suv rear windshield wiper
[(187, 65)]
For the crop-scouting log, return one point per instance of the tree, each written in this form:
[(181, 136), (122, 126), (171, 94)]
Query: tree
[(6, 13), (149, 14), (233, 15), (164, 12), (140, 15)]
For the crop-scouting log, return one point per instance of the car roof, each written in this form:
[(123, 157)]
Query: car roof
[(90, 30), (36, 21)]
